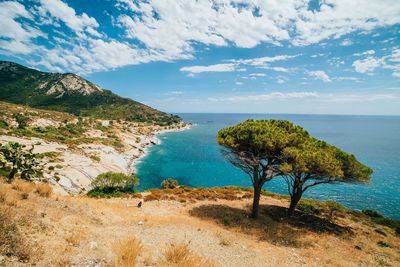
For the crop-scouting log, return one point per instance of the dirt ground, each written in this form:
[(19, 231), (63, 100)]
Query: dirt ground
[(80, 231)]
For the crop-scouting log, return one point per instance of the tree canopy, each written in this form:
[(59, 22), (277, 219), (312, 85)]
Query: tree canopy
[(265, 149), (315, 162), (256, 147)]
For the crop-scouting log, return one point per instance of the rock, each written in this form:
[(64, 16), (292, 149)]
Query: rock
[(93, 245), (140, 223)]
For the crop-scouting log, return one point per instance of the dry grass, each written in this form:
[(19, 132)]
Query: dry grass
[(24, 187), (8, 196), (44, 190), (126, 252), (12, 243), (179, 255)]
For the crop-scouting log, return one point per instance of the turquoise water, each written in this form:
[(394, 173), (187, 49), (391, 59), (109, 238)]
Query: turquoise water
[(194, 159)]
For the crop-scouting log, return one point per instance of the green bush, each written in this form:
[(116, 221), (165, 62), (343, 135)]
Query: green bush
[(169, 183), (334, 207), (111, 184), (95, 158), (372, 213), (307, 208), (3, 124), (383, 244), (397, 230)]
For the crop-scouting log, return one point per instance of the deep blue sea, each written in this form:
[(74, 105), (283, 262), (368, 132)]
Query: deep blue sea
[(194, 159)]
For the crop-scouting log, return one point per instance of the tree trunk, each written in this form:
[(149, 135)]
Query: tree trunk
[(12, 174), (256, 201), (293, 202)]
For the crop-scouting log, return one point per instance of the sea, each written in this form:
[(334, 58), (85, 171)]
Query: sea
[(194, 158)]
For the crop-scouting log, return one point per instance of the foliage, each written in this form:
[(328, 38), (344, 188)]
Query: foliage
[(383, 244), (334, 207), (95, 158), (169, 183), (256, 147), (380, 219), (22, 120), (372, 213), (307, 208), (21, 161), (313, 162), (3, 124), (111, 184)]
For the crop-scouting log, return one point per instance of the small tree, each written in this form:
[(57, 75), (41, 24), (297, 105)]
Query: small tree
[(256, 147), (22, 120), (315, 162), (22, 161), (111, 181), (169, 183)]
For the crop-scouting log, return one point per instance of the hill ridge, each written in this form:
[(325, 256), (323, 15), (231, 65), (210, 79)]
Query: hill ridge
[(68, 92)]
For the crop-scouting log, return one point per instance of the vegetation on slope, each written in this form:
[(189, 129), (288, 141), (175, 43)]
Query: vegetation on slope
[(73, 94)]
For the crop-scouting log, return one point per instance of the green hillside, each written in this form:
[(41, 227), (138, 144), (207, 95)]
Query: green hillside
[(71, 93)]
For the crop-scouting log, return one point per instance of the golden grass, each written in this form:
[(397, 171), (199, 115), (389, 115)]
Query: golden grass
[(44, 190), (179, 255), (126, 252), (24, 187)]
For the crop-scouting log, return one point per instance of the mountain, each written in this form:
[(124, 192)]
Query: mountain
[(71, 93)]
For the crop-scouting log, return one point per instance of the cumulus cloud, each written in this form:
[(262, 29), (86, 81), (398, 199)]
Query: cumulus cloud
[(319, 75), (159, 30), (368, 64)]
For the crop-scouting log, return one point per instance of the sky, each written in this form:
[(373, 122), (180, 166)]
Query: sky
[(271, 56)]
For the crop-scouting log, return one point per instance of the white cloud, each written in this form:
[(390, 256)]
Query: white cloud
[(227, 67), (262, 61), (367, 65), (238, 83), (159, 30), (348, 79), (258, 74), (346, 42), (368, 52), (66, 14), (319, 75)]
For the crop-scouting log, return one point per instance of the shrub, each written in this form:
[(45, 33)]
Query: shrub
[(180, 255), (397, 231), (23, 186), (3, 124), (169, 183), (44, 190), (372, 213), (114, 180), (95, 158), (383, 244), (151, 197), (307, 208), (22, 120), (126, 252), (137, 140), (334, 207)]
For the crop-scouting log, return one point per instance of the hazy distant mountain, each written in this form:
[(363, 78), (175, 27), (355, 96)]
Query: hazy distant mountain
[(70, 93)]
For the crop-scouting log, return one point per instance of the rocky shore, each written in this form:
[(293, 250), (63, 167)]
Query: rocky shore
[(72, 170)]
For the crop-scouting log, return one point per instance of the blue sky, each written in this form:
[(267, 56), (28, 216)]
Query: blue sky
[(272, 56)]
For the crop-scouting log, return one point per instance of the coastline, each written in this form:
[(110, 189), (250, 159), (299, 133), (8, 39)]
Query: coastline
[(156, 141)]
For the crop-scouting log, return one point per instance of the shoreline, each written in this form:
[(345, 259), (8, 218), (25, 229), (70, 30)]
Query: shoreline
[(155, 141)]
